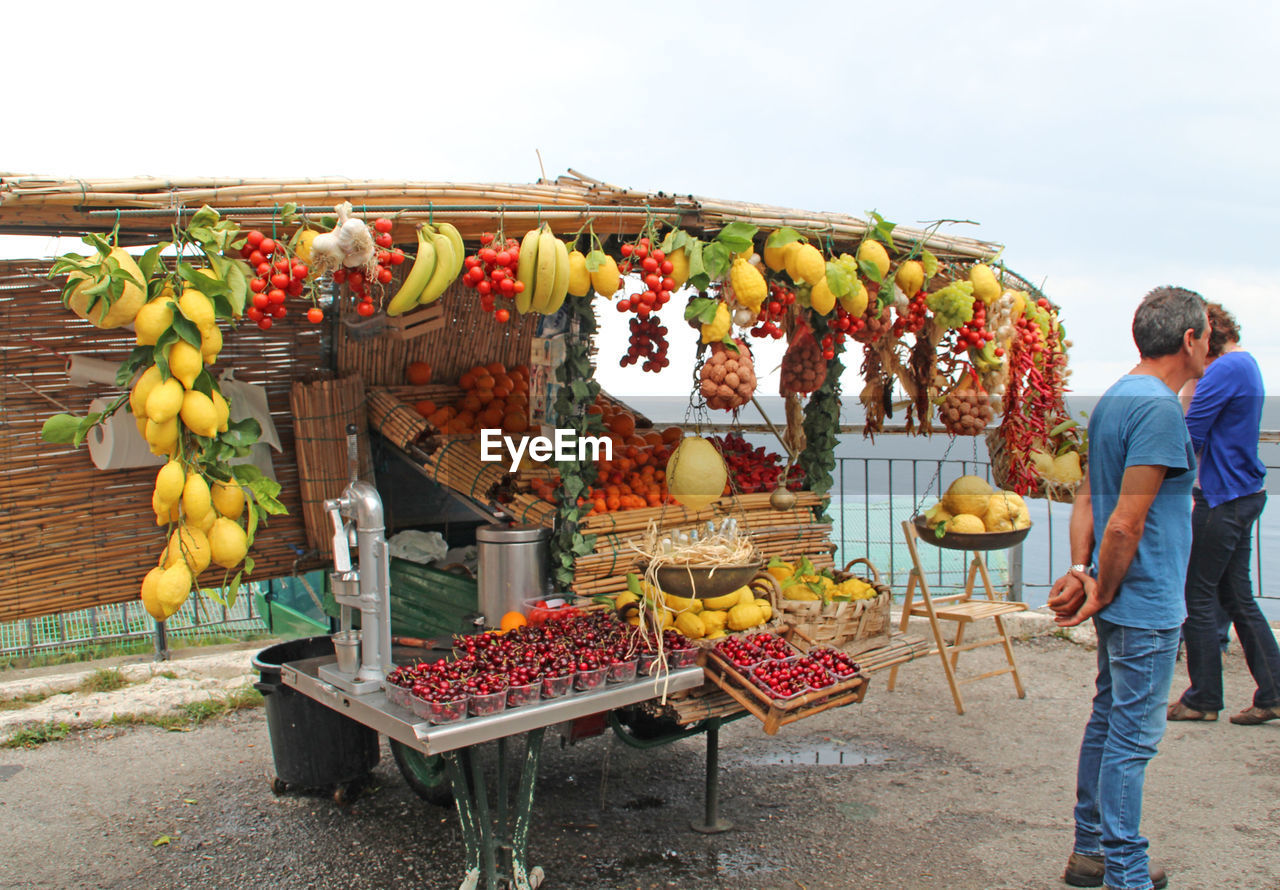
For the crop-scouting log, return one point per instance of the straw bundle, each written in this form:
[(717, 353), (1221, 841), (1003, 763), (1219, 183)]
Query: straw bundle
[(322, 410)]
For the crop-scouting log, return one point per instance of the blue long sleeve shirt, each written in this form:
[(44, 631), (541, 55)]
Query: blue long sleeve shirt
[(1224, 420)]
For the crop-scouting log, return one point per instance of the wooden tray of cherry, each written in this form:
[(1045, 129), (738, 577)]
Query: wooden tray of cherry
[(770, 677)]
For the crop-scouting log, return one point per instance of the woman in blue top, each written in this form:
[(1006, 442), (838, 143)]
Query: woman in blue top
[(1224, 419)]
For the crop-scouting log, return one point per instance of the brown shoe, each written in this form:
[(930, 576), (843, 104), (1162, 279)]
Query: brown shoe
[(1179, 711), (1255, 715), (1088, 871)]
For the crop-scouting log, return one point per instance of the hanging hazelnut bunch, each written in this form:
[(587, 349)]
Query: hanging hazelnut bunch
[(728, 378)]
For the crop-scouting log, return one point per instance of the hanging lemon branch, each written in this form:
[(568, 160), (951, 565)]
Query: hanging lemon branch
[(210, 509)]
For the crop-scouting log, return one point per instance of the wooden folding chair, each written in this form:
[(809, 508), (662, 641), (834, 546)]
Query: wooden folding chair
[(963, 609)]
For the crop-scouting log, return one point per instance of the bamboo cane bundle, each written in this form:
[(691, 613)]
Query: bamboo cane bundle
[(398, 423), (323, 410)]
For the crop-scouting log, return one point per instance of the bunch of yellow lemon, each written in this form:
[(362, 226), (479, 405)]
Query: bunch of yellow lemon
[(208, 531)]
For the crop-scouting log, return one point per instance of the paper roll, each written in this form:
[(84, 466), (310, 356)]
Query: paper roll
[(115, 443), (83, 370)]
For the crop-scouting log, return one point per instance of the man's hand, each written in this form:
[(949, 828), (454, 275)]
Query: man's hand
[(1092, 603), (1066, 596)]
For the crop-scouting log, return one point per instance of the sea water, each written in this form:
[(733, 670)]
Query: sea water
[(883, 482)]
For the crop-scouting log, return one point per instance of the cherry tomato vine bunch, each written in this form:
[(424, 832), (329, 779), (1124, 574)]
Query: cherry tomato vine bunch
[(491, 273)]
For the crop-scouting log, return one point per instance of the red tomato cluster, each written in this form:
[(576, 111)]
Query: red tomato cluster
[(491, 273), (973, 333), (648, 341), (655, 271), (276, 278), (773, 311), (386, 257)]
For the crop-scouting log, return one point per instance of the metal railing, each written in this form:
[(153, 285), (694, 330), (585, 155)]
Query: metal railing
[(872, 496), (200, 617)]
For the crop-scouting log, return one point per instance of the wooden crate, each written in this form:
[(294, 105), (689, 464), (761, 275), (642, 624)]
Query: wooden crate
[(774, 714)]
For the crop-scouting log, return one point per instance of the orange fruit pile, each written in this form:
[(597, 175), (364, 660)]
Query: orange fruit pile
[(493, 398)]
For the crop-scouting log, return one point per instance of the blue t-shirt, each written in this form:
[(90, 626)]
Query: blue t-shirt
[(1139, 422), (1224, 419)]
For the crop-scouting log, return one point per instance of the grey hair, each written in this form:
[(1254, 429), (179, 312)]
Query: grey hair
[(1164, 316)]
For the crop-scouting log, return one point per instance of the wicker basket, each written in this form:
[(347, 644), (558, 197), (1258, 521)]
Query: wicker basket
[(1054, 491), (852, 626)]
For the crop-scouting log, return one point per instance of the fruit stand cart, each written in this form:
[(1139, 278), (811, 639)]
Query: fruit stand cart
[(374, 330)]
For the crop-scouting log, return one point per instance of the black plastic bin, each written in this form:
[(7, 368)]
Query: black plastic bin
[(313, 746)]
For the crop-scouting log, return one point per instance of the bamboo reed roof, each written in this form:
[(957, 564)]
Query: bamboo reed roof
[(145, 208)]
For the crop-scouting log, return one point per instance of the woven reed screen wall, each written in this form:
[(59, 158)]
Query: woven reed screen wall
[(470, 336), (72, 536)]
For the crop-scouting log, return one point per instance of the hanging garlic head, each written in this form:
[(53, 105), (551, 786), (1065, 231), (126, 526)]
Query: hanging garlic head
[(354, 238), (326, 254)]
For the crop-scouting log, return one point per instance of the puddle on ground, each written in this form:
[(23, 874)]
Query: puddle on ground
[(819, 755)]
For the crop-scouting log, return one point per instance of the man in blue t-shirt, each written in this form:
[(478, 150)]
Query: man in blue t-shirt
[(1224, 418), (1130, 539)]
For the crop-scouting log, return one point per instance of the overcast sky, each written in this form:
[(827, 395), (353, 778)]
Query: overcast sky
[(1112, 147)]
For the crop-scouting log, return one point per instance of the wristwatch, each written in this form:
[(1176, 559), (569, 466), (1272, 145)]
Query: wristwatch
[(1081, 567)]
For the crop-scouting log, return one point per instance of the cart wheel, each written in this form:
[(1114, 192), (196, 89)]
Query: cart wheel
[(278, 785), (425, 774)]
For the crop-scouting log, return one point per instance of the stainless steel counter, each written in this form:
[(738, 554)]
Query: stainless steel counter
[(373, 709)]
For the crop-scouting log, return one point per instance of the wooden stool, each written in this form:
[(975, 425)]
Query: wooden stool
[(963, 609)]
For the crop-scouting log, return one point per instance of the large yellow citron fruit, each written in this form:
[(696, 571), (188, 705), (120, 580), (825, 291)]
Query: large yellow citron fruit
[(165, 401), (696, 473), (749, 287), (169, 482), (151, 595), (199, 414), (125, 307), (806, 264), (188, 544), (196, 306), (153, 319), (966, 523), (874, 253), (717, 329), (210, 342), (910, 277), (968, 494), (185, 363), (579, 277), (196, 499), (162, 438), (985, 286), (148, 381), (224, 411), (228, 543), (174, 587), (855, 302), (679, 266), (228, 499), (776, 257), (302, 249), (821, 299), (605, 278)]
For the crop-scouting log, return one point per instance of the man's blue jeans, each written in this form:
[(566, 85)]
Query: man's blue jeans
[(1135, 668)]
